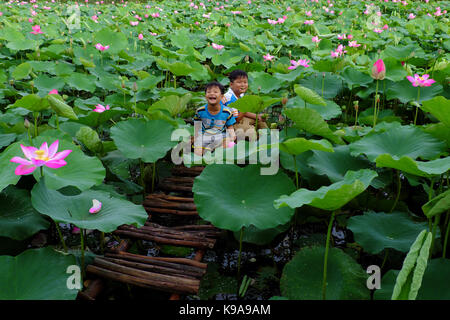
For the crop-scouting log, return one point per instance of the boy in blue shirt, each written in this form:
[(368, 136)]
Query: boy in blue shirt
[(238, 87), (216, 121)]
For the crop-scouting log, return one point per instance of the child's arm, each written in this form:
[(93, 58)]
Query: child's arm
[(248, 115)]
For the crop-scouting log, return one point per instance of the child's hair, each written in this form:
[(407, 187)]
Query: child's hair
[(215, 84), (238, 73)]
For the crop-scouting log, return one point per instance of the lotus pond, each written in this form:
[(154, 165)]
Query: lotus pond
[(356, 96)]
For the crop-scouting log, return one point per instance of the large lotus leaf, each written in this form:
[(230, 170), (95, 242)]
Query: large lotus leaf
[(437, 205), (94, 119), (376, 231), (75, 209), (387, 286), (117, 41), (301, 162), (261, 82), (401, 141), (32, 102), (7, 175), (354, 77), (18, 219), (21, 71), (399, 53), (81, 81), (6, 139), (295, 146), (335, 165), (242, 204), (418, 168), (405, 92), (308, 95), (438, 107), (249, 103), (302, 276), (140, 139), (174, 104), (394, 70), (81, 171), (328, 82), (36, 274), (439, 131), (260, 237), (46, 84), (149, 83), (330, 111), (330, 197), (311, 121)]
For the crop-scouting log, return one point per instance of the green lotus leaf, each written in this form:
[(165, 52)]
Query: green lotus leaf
[(21, 71), (140, 139), (174, 104), (387, 285), (149, 83), (437, 205), (295, 146), (36, 274), (302, 276), (261, 82), (94, 119), (354, 77), (241, 33), (330, 111), (18, 219), (81, 170), (439, 131), (435, 281), (81, 81), (376, 231), (398, 52), (309, 95), (335, 165), (6, 139), (330, 197), (75, 209), (394, 69), (328, 83), (242, 204), (311, 121), (418, 168), (32, 102), (60, 107), (398, 142), (249, 103), (7, 175), (405, 92), (46, 84), (117, 41), (438, 107), (261, 237), (180, 69)]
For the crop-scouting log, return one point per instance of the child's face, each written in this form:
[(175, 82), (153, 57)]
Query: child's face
[(213, 95), (239, 85)]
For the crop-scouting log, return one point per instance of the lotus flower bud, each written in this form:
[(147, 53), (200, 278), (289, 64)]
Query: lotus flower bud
[(65, 96), (356, 105), (26, 123), (135, 87), (284, 101), (273, 125), (378, 70)]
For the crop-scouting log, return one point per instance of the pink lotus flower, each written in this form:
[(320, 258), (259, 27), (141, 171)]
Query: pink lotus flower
[(281, 20), (349, 37), (100, 47), (422, 81), (36, 29), (385, 27), (308, 13), (341, 36), (377, 30), (155, 15), (268, 57), (270, 21), (353, 44), (316, 39), (39, 157), (153, 33), (334, 54), (96, 206), (378, 70), (95, 18), (411, 16), (30, 20), (141, 36), (295, 64), (54, 91), (99, 108), (217, 46), (134, 23), (310, 22)]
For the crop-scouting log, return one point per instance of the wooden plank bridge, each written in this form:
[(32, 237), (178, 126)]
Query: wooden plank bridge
[(168, 211)]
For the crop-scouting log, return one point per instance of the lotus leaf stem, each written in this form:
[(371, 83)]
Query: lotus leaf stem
[(240, 253), (399, 187), (296, 171), (153, 176), (386, 253), (435, 226), (61, 236), (375, 107), (82, 251), (325, 263), (418, 101), (446, 235)]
